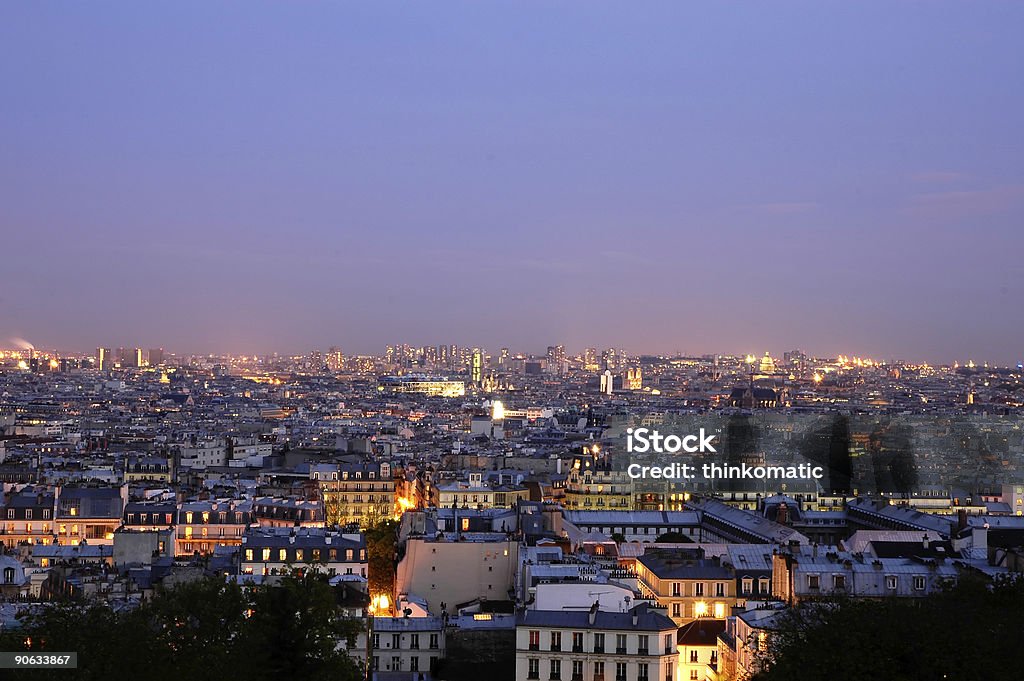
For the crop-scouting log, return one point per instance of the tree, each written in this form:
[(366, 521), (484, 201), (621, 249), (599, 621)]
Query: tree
[(206, 629), (381, 548), (966, 632)]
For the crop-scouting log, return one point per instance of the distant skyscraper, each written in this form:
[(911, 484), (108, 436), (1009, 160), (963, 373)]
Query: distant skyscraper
[(477, 366), (316, 361), (104, 360), (335, 359), (130, 358), (556, 359), (156, 357), (607, 382), (590, 359)]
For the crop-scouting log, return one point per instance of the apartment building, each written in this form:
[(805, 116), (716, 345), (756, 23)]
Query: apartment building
[(595, 645)]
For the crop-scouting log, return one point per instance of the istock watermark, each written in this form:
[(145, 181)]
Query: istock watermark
[(643, 440)]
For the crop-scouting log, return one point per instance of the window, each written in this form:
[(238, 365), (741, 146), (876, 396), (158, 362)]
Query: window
[(698, 588), (676, 589), (282, 554), (642, 646), (248, 554), (28, 514), (598, 643), (10, 514), (534, 640), (556, 669), (748, 585), (620, 644), (719, 589), (433, 641), (668, 644), (599, 671), (812, 581), (620, 671), (9, 575), (396, 641), (677, 610), (720, 611), (577, 670), (414, 641), (376, 640), (693, 675), (414, 663), (890, 582), (299, 554), (533, 668), (839, 581), (918, 583), (556, 640), (763, 585), (266, 554), (641, 672), (577, 642)]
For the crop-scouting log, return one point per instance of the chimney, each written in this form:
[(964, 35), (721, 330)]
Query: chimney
[(961, 520), (636, 615), (814, 550), (782, 515), (924, 541), (979, 538), (593, 614)]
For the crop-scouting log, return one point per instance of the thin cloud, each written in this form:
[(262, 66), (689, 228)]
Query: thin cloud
[(939, 177), (968, 202), (780, 208)]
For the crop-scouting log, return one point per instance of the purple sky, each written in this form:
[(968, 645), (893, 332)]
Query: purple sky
[(841, 177)]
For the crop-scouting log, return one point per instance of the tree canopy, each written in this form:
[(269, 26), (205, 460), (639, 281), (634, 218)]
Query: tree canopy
[(205, 629), (969, 631)]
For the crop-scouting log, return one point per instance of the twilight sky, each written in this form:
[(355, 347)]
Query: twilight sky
[(244, 176)]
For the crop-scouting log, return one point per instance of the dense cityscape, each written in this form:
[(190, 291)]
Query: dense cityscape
[(471, 509)]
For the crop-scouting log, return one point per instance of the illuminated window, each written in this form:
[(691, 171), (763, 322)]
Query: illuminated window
[(266, 554), (719, 610), (282, 554), (700, 609)]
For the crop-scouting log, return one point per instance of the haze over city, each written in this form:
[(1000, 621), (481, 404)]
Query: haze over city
[(843, 179)]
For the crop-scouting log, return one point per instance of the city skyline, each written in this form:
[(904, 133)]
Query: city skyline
[(686, 179), (493, 352)]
